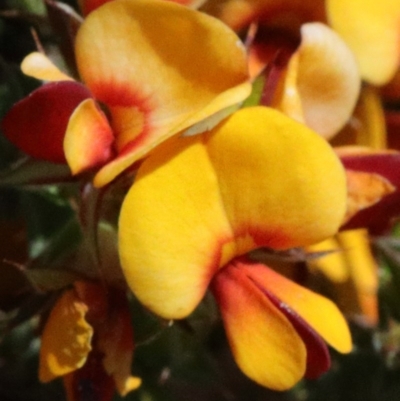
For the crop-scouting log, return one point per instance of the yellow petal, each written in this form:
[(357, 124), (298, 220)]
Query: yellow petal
[(332, 264), (363, 271), (38, 66), (199, 201), (317, 311), (66, 338), (264, 343), (372, 30), (280, 204), (171, 227), (138, 58), (367, 125), (88, 138), (324, 75)]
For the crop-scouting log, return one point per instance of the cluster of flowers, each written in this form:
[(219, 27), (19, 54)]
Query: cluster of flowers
[(227, 137)]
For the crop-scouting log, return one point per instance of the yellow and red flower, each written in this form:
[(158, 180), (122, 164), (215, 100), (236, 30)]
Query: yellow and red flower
[(145, 82), (201, 203)]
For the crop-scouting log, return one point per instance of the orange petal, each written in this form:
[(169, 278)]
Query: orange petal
[(39, 66), (384, 163), (318, 312), (153, 81), (365, 190), (88, 138), (66, 338), (322, 83), (372, 30), (264, 343)]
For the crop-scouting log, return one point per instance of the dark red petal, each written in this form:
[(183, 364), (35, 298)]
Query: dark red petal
[(91, 382), (318, 358), (37, 123)]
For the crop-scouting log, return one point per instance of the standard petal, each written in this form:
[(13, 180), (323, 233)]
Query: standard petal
[(66, 338), (327, 80), (171, 228), (39, 66), (88, 138), (280, 182), (264, 343), (318, 312), (372, 31), (199, 201), (37, 124), (154, 82)]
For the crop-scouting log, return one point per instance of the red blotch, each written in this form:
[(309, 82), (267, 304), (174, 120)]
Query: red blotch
[(88, 6), (116, 95), (37, 123)]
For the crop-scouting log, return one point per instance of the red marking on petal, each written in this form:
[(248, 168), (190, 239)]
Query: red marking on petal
[(318, 358), (88, 6), (37, 123), (270, 238), (123, 102)]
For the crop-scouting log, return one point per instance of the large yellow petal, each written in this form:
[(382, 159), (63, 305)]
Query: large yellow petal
[(171, 228), (280, 181), (372, 30), (264, 343), (66, 339), (199, 201), (138, 58)]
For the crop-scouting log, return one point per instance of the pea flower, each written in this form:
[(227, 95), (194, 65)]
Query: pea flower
[(144, 79), (88, 340), (200, 204)]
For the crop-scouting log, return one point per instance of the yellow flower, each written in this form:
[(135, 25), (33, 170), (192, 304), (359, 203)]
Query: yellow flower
[(138, 61), (199, 203)]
